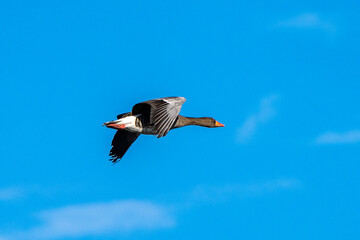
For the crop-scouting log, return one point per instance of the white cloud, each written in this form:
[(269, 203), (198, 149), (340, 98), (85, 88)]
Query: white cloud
[(98, 219), (10, 193), (126, 216), (266, 112), (333, 138), (306, 20), (217, 193)]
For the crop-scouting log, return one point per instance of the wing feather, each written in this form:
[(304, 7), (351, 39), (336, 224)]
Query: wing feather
[(123, 115), (121, 143), (163, 113)]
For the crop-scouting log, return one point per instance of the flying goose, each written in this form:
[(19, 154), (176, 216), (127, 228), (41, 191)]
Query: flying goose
[(152, 117)]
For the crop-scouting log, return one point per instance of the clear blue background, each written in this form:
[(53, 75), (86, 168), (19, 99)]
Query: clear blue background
[(68, 66)]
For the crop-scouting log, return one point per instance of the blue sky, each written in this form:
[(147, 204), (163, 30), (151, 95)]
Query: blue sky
[(282, 76)]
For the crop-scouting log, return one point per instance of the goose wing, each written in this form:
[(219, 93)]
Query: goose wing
[(161, 113), (123, 115), (121, 143)]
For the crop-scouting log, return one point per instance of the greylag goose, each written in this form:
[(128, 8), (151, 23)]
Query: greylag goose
[(152, 117)]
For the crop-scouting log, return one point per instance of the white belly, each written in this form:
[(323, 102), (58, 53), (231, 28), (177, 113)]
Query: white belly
[(130, 126)]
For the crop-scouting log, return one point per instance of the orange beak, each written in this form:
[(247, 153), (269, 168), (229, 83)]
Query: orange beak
[(217, 124)]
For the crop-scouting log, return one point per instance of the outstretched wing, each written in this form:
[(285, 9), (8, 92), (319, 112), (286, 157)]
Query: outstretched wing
[(161, 113), (123, 115), (121, 143)]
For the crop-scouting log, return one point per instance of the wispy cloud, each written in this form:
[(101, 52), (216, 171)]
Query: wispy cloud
[(218, 193), (98, 219), (127, 216), (338, 138), (265, 113), (10, 193), (306, 20)]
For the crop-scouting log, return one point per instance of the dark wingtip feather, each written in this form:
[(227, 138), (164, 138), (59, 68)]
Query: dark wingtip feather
[(114, 159), (114, 155), (120, 144)]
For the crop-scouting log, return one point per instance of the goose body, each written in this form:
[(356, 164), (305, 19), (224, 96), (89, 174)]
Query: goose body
[(131, 124), (152, 117)]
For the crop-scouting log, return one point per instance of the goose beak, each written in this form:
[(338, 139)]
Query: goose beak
[(217, 124)]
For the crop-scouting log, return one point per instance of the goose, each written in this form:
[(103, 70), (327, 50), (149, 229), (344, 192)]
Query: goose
[(152, 117)]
